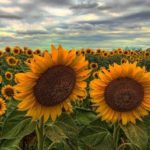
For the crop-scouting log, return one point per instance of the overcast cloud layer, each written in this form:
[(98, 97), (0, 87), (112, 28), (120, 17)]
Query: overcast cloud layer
[(75, 23)]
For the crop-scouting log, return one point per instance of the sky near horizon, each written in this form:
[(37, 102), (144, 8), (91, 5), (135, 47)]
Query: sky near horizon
[(75, 23)]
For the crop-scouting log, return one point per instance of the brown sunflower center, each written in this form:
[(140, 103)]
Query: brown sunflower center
[(12, 60), (124, 94), (16, 50), (55, 85), (8, 75), (9, 92), (29, 52)]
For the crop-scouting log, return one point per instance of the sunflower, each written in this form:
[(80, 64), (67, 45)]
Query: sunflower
[(1, 79), (92, 53), (2, 107), (82, 52), (29, 52), (37, 51), (8, 75), (11, 61), (93, 65), (1, 53), (7, 49), (54, 81), (126, 53), (131, 53), (77, 52), (8, 91), (105, 54), (147, 54), (95, 74), (28, 60), (111, 53), (16, 51), (120, 51), (121, 94), (98, 51), (123, 60), (132, 59), (115, 52), (88, 51)]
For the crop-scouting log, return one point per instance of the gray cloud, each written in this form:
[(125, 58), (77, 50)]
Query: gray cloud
[(85, 6), (133, 16), (32, 32), (10, 16), (57, 2)]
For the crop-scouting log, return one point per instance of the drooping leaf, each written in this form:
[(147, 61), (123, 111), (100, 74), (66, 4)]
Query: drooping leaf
[(55, 134), (137, 135), (97, 138), (10, 144)]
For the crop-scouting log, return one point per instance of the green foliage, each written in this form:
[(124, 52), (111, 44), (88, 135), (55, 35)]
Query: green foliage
[(15, 127), (137, 135)]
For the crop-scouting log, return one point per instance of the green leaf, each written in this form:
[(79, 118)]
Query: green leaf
[(11, 144), (55, 134), (84, 116), (12, 119), (97, 138), (67, 123), (137, 135), (20, 130)]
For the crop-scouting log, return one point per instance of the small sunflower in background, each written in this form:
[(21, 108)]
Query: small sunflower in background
[(105, 54), (132, 59), (77, 52), (1, 79), (126, 53), (16, 51), (82, 52), (123, 60), (3, 107), (8, 91), (111, 53), (98, 51), (131, 53), (147, 54), (28, 61), (37, 52), (7, 49), (54, 81), (93, 66), (88, 51), (121, 94), (1, 53), (95, 74), (92, 52), (28, 52), (8, 75), (11, 61)]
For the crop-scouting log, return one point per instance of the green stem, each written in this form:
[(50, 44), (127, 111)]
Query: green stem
[(124, 145), (51, 145), (40, 134), (116, 134)]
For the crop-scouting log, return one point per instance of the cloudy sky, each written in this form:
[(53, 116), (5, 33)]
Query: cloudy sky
[(75, 23)]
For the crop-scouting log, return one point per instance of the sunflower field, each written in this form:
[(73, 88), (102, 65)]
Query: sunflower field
[(87, 99)]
